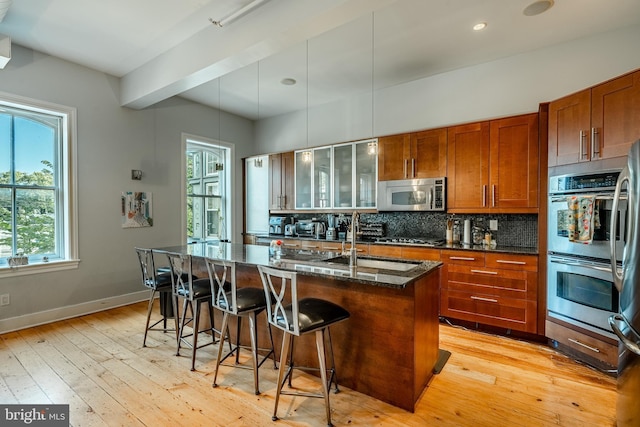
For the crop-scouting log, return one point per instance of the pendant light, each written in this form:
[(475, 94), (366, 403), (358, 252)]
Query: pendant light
[(307, 155)]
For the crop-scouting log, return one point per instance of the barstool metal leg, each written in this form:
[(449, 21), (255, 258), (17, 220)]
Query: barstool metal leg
[(196, 328), (183, 321), (286, 341), (149, 309), (254, 349), (225, 323), (323, 372), (334, 374)]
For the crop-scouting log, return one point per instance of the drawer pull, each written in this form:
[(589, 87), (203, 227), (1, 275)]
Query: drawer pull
[(484, 299), (504, 261), (484, 272), (596, 350), (462, 258), (293, 245), (332, 248)]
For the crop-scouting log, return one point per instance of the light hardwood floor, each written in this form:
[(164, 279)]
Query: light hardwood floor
[(96, 365)]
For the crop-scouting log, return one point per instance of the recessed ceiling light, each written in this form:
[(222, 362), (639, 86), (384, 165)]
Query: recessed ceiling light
[(537, 7), (480, 26), (288, 81)]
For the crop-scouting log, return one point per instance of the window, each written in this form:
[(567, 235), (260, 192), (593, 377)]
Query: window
[(208, 185), (37, 215)]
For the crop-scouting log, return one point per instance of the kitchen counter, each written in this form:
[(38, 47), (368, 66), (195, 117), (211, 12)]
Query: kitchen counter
[(387, 348), (500, 249), (309, 263)]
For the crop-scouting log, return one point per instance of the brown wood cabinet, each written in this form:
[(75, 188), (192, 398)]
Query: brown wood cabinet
[(413, 155), (597, 123), (493, 166), (495, 289), (281, 181)]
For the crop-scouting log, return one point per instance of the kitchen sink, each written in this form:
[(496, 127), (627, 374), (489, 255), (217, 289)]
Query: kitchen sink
[(375, 263)]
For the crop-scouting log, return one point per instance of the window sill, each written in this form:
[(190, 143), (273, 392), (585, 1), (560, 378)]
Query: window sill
[(37, 268)]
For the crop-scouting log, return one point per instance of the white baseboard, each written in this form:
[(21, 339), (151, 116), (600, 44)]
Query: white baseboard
[(42, 317)]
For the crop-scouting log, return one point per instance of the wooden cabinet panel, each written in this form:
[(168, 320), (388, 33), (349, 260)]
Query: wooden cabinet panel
[(471, 258), (412, 252), (601, 122), (491, 310), (413, 156), (511, 261), (468, 166), (429, 153), (492, 288), (281, 179), (514, 162), (385, 251), (493, 166), (393, 152), (569, 122), (615, 116)]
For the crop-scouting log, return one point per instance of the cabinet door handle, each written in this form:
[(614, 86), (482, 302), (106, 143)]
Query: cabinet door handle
[(484, 195), (595, 350), (483, 299), (582, 152), (461, 258), (413, 168), (595, 144), (404, 170), (504, 261), (484, 272), (493, 195)]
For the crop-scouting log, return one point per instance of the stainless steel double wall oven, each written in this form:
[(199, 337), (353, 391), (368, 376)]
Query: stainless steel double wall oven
[(580, 288)]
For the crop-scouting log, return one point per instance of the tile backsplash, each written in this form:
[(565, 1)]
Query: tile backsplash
[(513, 230)]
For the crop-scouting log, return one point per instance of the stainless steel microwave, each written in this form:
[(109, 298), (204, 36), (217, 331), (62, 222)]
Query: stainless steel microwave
[(427, 194)]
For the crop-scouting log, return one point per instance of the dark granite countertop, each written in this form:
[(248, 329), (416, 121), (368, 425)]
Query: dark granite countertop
[(500, 249), (312, 263)]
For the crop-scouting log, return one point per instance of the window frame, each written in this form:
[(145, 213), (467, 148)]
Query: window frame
[(67, 185), (228, 181)]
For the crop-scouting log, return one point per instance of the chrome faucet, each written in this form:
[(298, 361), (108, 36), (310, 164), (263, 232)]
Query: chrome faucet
[(353, 253)]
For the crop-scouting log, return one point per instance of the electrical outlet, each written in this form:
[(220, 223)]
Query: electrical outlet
[(5, 299), (493, 224)]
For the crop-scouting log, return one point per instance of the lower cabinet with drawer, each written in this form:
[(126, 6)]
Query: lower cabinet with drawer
[(490, 288)]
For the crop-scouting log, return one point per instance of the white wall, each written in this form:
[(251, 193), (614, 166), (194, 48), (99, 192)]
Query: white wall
[(508, 86), (111, 141)]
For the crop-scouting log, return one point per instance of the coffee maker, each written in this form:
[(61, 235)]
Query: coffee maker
[(332, 232), (277, 224)]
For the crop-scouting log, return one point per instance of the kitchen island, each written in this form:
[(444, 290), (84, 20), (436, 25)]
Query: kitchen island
[(388, 347)]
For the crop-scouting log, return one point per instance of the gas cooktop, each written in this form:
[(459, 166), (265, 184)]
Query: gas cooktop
[(417, 241)]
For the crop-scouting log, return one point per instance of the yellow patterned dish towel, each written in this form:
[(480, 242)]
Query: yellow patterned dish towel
[(582, 219)]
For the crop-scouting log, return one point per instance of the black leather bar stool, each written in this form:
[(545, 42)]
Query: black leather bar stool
[(297, 318), (159, 282), (238, 302), (194, 292)]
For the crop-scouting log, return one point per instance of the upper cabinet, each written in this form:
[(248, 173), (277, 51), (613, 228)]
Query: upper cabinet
[(597, 123), (493, 166), (413, 155), (338, 176), (281, 180)]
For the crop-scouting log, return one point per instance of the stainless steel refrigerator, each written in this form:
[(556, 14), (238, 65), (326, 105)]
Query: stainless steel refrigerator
[(626, 324)]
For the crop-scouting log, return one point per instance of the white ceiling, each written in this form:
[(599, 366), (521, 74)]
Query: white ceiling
[(333, 48)]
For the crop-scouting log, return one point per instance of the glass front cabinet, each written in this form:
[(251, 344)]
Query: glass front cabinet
[(338, 176)]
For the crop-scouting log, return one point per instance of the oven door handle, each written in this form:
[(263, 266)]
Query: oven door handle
[(557, 199), (625, 176), (579, 264)]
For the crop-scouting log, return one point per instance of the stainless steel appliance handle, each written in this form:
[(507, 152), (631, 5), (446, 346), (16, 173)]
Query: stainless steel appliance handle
[(556, 199), (580, 264), (632, 342), (617, 276), (595, 144), (430, 197), (581, 344)]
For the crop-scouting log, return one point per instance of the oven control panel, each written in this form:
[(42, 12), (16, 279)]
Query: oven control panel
[(605, 180)]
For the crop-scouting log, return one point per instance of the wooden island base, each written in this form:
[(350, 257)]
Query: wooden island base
[(387, 349)]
